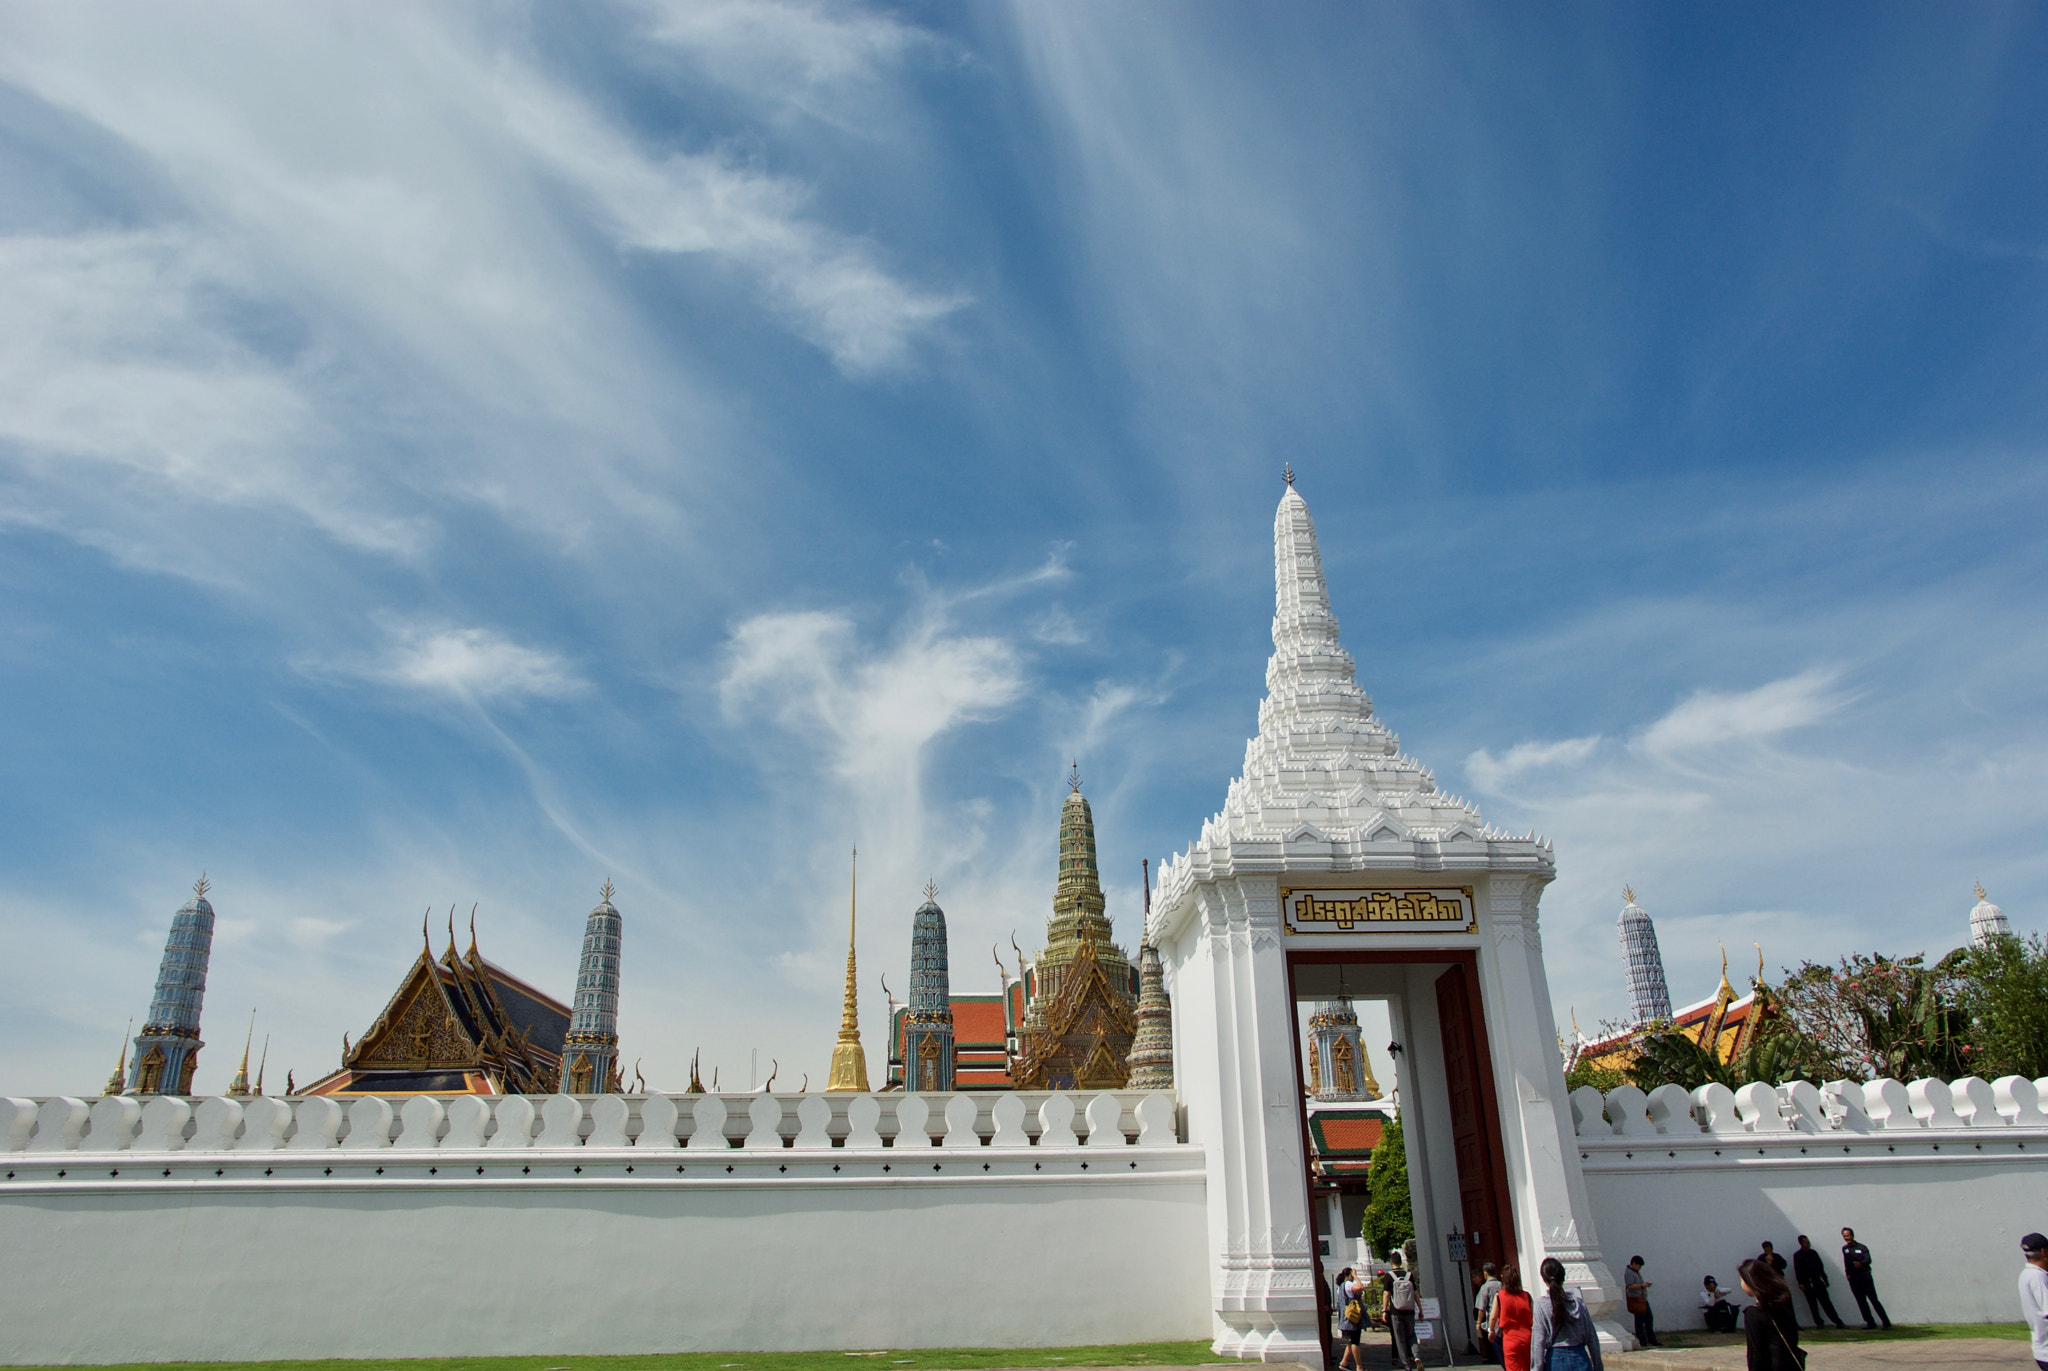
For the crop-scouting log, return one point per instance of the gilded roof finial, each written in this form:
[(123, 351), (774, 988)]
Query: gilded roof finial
[(1980, 891), (605, 895), (424, 936), (118, 1082), (472, 931), (199, 887), (1759, 963), (451, 931), (262, 1062), (1628, 893), (931, 888), (1288, 472), (1074, 777)]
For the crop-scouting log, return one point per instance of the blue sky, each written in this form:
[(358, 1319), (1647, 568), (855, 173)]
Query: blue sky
[(453, 456)]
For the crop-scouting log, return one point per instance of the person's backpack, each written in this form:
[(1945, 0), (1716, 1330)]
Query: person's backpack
[(1354, 1309), (1404, 1293)]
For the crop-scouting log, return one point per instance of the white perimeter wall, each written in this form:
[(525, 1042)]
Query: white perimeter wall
[(1938, 1180), (395, 1251)]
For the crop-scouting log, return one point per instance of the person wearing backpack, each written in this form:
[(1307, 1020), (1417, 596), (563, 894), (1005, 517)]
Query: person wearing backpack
[(1401, 1307), (1350, 1317)]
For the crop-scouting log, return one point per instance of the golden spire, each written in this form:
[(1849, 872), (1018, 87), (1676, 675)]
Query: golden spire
[(1628, 894), (262, 1062), (1980, 891), (118, 1082), (605, 894), (1369, 1087), (238, 1088), (1729, 989), (199, 887), (1287, 473), (696, 1081), (849, 1062), (1759, 964)]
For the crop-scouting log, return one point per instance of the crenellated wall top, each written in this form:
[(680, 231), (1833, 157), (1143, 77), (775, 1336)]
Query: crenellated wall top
[(1883, 1111)]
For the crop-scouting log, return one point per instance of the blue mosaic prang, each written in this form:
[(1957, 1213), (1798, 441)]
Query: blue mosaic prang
[(167, 1048), (928, 1022), (1649, 997), (590, 1052)]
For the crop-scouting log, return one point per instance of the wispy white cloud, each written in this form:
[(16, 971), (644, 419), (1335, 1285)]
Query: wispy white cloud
[(1711, 717), (475, 665), (1491, 774)]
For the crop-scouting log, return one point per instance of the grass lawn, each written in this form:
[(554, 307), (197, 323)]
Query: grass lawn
[(922, 1359), (1900, 1332)]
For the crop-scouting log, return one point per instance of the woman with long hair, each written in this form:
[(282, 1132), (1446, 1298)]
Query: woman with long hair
[(1511, 1320), (1563, 1337), (1351, 1318), (1769, 1326)]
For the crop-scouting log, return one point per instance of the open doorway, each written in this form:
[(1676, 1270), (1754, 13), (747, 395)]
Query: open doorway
[(1411, 1028)]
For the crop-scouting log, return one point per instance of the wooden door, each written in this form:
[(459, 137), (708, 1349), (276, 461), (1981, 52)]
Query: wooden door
[(1475, 1120)]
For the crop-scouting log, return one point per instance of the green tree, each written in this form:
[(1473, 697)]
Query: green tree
[(1389, 1221), (1874, 1016), (1586, 1071), (2002, 990)]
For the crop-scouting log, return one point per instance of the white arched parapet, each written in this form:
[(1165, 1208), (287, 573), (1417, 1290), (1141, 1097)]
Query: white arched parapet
[(764, 1112), (961, 1114), (1105, 1121), (2041, 1089), (1670, 1110), (911, 1114), (1756, 1104), (468, 1117), (1974, 1102), (1056, 1121), (708, 1114), (1932, 1105), (1589, 1113), (1155, 1121), (264, 1120), (163, 1125), (561, 1122), (2019, 1103), (319, 1120), (1800, 1101), (58, 1124), (1843, 1103), (515, 1122), (1008, 1115), (17, 1121), (1715, 1104), (813, 1123), (113, 1119), (608, 1117), (1888, 1105), (419, 1122), (658, 1115), (863, 1113), (214, 1124), (1629, 1108), (369, 1123)]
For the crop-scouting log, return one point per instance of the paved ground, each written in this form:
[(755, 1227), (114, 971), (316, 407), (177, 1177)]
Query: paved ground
[(1840, 1356)]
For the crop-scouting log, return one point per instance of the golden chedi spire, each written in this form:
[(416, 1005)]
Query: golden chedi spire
[(849, 1061), (238, 1088), (118, 1082)]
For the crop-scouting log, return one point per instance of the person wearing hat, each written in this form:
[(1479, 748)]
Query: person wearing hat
[(2034, 1294)]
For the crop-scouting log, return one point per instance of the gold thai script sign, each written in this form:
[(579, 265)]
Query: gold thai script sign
[(1379, 911)]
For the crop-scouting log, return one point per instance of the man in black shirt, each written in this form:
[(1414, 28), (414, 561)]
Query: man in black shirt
[(1769, 1257), (1856, 1266), (1812, 1274)]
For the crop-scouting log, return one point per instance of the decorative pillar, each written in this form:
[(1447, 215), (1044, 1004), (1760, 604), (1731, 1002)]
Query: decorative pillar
[(1553, 1216), (1152, 1049), (167, 1048), (590, 1051), (928, 1021), (1649, 997)]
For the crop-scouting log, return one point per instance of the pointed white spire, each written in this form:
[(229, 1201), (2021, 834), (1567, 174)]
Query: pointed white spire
[(1325, 782)]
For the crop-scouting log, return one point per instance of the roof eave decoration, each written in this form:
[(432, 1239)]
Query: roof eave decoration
[(1325, 785)]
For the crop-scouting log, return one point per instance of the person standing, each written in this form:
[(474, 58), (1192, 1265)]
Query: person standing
[(1513, 1318), (1812, 1274), (1770, 1328), (1638, 1291), (2034, 1294), (1350, 1317), (1401, 1307), (1856, 1266), (1769, 1256), (1482, 1312), (1562, 1337)]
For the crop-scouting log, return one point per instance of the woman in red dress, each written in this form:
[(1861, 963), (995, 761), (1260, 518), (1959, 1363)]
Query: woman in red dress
[(1512, 1317)]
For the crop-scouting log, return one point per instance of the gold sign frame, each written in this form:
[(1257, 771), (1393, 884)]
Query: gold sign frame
[(1378, 909)]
